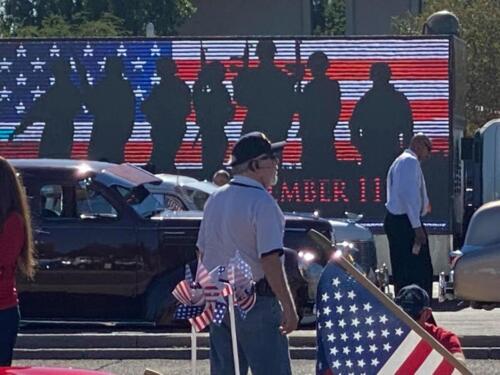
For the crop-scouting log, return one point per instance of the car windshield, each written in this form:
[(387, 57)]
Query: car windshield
[(139, 198), (197, 197)]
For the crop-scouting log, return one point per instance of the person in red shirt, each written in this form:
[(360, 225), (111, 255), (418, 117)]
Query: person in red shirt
[(16, 253), (416, 302)]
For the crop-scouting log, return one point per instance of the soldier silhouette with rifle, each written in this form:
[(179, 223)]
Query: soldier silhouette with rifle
[(57, 108), (166, 109), (214, 109), (319, 113), (268, 93), (384, 114), (111, 101)]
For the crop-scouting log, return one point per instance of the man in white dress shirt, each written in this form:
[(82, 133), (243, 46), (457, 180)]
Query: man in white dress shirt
[(407, 202)]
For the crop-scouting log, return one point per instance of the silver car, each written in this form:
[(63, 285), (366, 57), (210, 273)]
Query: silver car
[(475, 269), (181, 193)]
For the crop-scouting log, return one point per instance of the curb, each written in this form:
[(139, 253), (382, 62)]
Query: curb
[(130, 341), (177, 346), (185, 353)]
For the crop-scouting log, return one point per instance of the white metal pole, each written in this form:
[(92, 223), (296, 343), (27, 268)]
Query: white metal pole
[(193, 351), (233, 336)]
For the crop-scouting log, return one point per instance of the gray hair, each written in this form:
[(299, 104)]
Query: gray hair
[(240, 168)]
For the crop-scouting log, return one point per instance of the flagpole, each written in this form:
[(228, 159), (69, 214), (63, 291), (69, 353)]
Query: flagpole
[(233, 335), (193, 351)]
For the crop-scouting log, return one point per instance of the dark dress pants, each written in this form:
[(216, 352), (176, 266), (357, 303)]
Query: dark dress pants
[(407, 268), (9, 323)]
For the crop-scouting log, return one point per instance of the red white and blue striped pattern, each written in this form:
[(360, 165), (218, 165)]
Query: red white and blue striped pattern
[(420, 69), (201, 321), (415, 356), (202, 301), (241, 280), (358, 333), (182, 292)]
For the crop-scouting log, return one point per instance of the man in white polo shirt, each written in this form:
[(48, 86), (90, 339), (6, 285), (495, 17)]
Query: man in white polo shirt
[(243, 216), (407, 202)]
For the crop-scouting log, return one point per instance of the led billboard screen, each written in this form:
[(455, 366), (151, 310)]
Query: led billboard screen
[(346, 106)]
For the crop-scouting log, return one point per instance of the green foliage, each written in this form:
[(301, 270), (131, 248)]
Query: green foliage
[(106, 25), (56, 26), (480, 28), (329, 17), (166, 15), (58, 18)]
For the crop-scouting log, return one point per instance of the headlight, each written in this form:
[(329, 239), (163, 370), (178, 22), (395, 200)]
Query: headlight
[(306, 256), (346, 247), (310, 270)]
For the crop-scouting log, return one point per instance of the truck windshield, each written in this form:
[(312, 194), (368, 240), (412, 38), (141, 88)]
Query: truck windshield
[(139, 198)]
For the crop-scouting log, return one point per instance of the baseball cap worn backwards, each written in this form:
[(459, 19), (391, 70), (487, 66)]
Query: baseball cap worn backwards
[(253, 145), (413, 299)]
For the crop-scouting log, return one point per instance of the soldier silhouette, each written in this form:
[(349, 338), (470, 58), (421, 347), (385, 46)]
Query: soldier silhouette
[(378, 120), (57, 108), (319, 113), (111, 102), (268, 93), (214, 109), (166, 109)]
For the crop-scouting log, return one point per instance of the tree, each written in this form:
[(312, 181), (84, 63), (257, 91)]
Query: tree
[(328, 17), (91, 17), (480, 28), (56, 26), (166, 15)]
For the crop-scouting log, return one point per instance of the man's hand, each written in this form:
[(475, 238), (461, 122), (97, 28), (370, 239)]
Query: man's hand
[(289, 320), (275, 275), (420, 240)]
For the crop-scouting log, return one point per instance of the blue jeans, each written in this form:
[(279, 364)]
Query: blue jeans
[(9, 324), (261, 346)]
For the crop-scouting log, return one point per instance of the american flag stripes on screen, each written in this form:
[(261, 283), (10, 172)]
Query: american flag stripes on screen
[(357, 334), (420, 69)]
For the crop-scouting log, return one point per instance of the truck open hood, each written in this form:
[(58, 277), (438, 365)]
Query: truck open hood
[(126, 175)]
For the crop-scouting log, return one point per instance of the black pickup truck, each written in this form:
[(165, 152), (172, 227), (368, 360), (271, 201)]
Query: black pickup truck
[(107, 250)]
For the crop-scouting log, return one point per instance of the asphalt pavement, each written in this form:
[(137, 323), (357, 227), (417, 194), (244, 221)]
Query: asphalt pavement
[(174, 367), (478, 330)]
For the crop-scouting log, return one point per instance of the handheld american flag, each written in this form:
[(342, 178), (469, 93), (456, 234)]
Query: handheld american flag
[(185, 292), (361, 331), (241, 280), (202, 301)]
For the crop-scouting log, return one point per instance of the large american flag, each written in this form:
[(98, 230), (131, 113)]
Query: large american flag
[(358, 334), (420, 69)]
